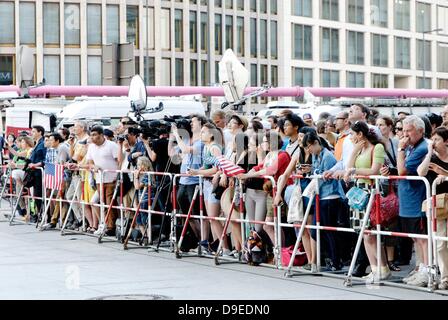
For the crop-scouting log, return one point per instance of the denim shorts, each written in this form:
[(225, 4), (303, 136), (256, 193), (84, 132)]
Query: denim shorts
[(207, 190)]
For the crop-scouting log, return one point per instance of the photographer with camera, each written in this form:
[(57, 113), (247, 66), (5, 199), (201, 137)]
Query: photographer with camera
[(191, 149)]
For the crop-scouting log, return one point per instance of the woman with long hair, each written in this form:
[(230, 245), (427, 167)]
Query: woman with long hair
[(367, 158), (436, 164)]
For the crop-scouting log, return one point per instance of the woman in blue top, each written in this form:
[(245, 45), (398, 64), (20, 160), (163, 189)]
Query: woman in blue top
[(141, 181), (331, 195)]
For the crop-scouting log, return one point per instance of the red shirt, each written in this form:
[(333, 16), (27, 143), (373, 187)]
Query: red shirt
[(278, 166)]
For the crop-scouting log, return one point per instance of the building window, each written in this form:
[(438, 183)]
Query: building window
[(442, 57), (302, 77), (424, 55), (112, 24), (94, 71), (263, 38), (229, 32), (218, 3), (149, 65), (7, 76), (423, 83), (302, 8), (7, 35), (165, 28), (72, 71), (274, 7), (205, 77), (253, 5), (229, 4), (402, 14), (253, 75), (330, 45), (240, 4), (355, 47), (94, 24), (27, 24), (302, 42), (423, 13), (218, 34), (165, 76), (178, 30), (380, 80), (179, 70), (274, 48), (442, 19), (263, 6), (379, 50), (204, 32), (355, 11), (52, 70), (240, 36), (132, 25), (355, 79), (193, 31), (330, 78), (193, 72), (148, 27), (402, 53), (330, 9), (51, 23), (253, 37), (71, 24), (378, 14), (274, 76), (442, 83)]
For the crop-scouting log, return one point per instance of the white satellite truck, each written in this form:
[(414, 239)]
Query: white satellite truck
[(108, 111)]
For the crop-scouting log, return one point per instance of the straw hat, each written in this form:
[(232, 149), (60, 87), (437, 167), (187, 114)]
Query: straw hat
[(226, 202), (243, 121)]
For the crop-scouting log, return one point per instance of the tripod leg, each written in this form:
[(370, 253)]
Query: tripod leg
[(164, 215)]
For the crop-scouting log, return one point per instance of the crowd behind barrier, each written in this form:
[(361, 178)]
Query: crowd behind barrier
[(343, 195)]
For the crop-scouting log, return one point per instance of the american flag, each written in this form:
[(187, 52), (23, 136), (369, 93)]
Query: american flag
[(53, 175), (229, 168)]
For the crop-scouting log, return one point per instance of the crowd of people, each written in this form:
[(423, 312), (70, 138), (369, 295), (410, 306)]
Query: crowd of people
[(357, 142)]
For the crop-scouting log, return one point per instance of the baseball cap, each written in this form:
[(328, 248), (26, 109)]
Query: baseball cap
[(307, 117), (108, 133)]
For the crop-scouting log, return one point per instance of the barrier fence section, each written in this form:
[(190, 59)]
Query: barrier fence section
[(431, 236), (374, 196)]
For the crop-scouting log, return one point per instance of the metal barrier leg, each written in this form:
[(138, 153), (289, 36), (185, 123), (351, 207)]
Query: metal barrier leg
[(184, 230), (47, 207), (14, 207), (109, 210), (137, 212), (224, 231), (288, 272), (71, 208), (348, 279)]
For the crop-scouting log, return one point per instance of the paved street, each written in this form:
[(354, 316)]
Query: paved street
[(45, 265)]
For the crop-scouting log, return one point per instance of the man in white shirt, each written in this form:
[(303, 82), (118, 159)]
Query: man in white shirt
[(104, 155)]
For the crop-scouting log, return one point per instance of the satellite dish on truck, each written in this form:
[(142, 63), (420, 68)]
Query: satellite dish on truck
[(234, 77), (137, 95), (26, 66)]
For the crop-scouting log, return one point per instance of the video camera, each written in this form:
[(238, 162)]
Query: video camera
[(152, 129)]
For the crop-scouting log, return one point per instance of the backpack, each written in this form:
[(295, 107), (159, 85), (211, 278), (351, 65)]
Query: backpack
[(255, 249)]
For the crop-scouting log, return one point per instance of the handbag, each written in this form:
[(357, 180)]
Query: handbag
[(357, 198), (295, 205), (441, 206), (299, 260), (389, 209)]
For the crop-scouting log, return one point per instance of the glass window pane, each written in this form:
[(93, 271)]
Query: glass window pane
[(218, 34), (6, 70), (27, 23), (179, 67), (71, 24), (193, 72), (148, 30), (204, 32), (7, 35), (72, 71), (51, 23), (178, 30), (379, 12), (402, 14), (132, 25), (113, 26), (274, 50), (229, 32), (193, 31), (165, 28), (240, 36), (253, 37), (94, 70), (263, 38), (94, 24), (149, 65), (52, 70), (166, 74)]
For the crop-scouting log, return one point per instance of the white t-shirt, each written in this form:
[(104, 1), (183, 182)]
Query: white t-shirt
[(105, 157)]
